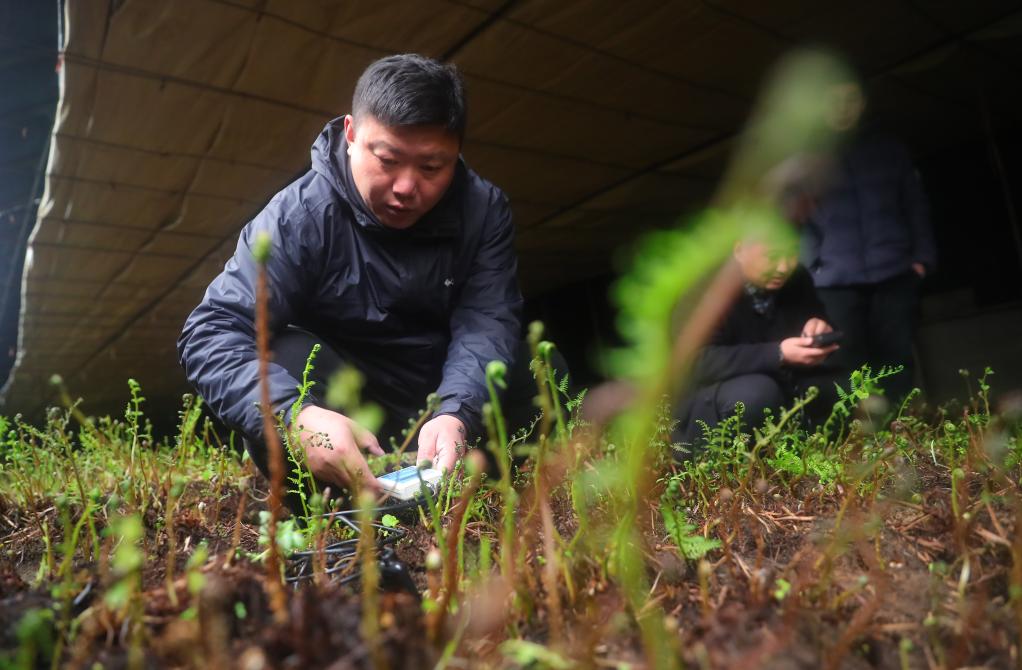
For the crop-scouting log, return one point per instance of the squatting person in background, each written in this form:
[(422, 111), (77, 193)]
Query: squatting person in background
[(394, 256), (868, 244), (762, 354)]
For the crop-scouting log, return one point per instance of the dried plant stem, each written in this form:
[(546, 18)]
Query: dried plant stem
[(171, 541), (319, 559), (219, 486), (802, 574), (274, 587), (862, 617), (236, 534), (451, 572), (370, 626), (551, 570), (1016, 570), (509, 498), (86, 506), (414, 430), (717, 298)]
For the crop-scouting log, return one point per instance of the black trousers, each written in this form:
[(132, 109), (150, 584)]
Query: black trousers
[(400, 399), (878, 321), (713, 403)]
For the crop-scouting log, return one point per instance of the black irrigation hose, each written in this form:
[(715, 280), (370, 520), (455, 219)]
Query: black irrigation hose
[(339, 558)]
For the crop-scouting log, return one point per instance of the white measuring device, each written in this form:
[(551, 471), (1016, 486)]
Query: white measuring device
[(406, 483)]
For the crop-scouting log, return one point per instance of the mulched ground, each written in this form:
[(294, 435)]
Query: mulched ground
[(882, 588)]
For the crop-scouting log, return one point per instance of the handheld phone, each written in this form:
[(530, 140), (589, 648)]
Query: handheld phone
[(827, 339), (404, 484)]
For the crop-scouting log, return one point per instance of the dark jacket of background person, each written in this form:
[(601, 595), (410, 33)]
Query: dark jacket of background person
[(874, 220), (747, 342), (433, 303)]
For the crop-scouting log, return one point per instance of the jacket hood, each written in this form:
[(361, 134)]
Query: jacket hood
[(330, 160)]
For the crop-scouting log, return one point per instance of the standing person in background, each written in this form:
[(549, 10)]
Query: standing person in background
[(868, 244)]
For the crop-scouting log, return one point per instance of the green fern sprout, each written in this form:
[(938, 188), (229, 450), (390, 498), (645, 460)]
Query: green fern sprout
[(692, 545)]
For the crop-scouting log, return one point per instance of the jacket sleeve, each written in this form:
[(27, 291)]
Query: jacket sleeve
[(217, 347), (806, 299), (486, 321), (917, 211), (717, 362), (725, 355)]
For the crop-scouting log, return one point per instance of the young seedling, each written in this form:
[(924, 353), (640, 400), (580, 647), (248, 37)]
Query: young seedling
[(125, 595), (495, 373), (175, 487)]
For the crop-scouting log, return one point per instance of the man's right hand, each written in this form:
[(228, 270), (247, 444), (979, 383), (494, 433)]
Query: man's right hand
[(800, 351), (333, 444)]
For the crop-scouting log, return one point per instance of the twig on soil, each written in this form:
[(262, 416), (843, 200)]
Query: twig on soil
[(913, 523), (991, 537)]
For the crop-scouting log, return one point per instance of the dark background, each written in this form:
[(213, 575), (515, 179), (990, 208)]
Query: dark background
[(974, 208), (971, 308)]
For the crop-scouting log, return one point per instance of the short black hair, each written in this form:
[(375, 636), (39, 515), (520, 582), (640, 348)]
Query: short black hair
[(412, 90)]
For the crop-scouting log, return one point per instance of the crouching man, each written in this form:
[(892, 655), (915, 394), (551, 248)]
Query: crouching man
[(391, 254), (762, 354)]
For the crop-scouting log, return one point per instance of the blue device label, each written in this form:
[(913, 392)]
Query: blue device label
[(411, 473)]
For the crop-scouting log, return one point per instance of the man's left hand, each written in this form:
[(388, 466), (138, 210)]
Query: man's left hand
[(442, 441)]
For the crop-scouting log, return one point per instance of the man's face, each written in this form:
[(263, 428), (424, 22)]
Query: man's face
[(846, 104), (764, 265), (402, 172)]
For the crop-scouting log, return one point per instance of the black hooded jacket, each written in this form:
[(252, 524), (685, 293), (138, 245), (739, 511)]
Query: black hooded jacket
[(426, 307), (747, 342)]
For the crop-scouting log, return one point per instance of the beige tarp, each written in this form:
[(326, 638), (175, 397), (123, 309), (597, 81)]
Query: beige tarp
[(179, 119)]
